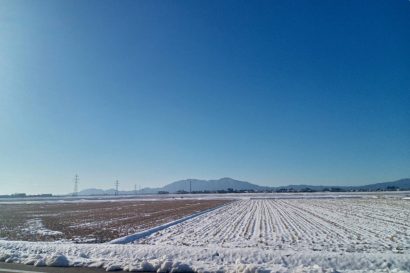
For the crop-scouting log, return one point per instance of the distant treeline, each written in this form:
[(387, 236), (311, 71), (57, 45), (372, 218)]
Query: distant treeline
[(288, 190), (22, 195)]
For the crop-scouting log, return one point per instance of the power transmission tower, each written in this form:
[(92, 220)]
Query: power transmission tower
[(116, 187), (135, 189), (76, 178)]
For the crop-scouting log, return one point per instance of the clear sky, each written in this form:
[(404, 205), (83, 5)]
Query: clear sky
[(149, 92)]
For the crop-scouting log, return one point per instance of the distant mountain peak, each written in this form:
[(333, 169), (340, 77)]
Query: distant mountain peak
[(227, 179), (210, 185)]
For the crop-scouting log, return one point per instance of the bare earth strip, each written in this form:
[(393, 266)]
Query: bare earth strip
[(92, 222)]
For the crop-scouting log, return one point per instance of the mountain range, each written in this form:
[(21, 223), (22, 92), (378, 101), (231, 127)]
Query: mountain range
[(229, 184)]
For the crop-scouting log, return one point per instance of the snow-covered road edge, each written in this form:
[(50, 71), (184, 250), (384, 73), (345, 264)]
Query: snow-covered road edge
[(160, 258), (142, 234)]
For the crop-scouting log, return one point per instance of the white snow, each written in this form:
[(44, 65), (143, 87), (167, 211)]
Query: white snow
[(35, 226), (264, 235), (225, 196), (343, 225), (57, 260), (201, 259)]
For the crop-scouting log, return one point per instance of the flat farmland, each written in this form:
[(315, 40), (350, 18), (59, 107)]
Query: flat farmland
[(92, 221), (330, 225), (347, 235)]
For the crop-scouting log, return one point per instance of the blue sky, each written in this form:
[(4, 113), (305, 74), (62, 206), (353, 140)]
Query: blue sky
[(149, 92)]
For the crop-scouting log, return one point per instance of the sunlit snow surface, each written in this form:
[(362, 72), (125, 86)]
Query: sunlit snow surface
[(35, 226), (348, 225), (253, 235)]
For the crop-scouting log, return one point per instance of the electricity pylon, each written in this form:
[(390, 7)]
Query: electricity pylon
[(116, 187), (76, 178)]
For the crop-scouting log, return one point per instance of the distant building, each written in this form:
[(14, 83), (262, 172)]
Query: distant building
[(18, 195)]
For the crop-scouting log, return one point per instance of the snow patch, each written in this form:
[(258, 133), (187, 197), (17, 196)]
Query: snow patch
[(162, 258), (57, 261), (35, 226)]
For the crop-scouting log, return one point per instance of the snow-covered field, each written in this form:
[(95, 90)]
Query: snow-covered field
[(213, 196), (254, 235), (342, 225)]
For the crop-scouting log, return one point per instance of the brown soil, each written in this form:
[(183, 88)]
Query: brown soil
[(94, 222)]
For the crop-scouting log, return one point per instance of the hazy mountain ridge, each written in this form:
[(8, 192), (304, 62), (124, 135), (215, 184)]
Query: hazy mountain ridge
[(93, 191), (210, 185), (401, 183), (226, 183)]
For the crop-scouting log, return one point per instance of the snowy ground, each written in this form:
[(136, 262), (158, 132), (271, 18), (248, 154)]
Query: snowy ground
[(223, 196), (260, 235), (342, 225)]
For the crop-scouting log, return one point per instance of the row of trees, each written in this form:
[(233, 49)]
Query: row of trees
[(286, 190)]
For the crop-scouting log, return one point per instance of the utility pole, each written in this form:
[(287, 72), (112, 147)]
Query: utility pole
[(135, 189), (116, 187), (190, 186), (75, 193)]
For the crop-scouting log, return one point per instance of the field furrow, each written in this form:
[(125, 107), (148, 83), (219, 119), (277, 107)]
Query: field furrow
[(349, 225)]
